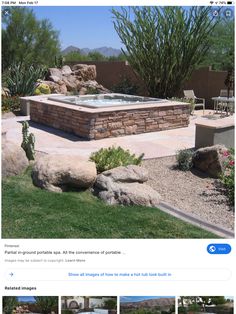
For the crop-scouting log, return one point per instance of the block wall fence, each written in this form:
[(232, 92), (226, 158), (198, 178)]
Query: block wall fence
[(205, 82)]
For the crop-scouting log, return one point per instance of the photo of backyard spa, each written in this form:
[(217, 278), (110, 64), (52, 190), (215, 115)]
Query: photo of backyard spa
[(134, 139)]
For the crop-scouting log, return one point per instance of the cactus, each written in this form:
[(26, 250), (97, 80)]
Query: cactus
[(28, 141), (163, 45)]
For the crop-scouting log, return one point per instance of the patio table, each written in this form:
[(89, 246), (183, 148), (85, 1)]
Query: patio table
[(224, 103)]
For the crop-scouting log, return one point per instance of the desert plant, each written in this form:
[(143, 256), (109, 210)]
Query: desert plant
[(194, 307), (110, 304), (10, 103), (8, 304), (164, 44), (227, 178), (67, 311), (182, 310), (112, 157), (125, 86), (42, 88), (184, 158), (59, 61), (28, 141), (91, 91), (46, 304), (21, 78), (187, 100)]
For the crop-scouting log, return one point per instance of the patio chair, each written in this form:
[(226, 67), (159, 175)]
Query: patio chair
[(189, 94)]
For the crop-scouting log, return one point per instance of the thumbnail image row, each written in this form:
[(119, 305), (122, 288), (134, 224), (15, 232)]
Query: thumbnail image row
[(114, 305)]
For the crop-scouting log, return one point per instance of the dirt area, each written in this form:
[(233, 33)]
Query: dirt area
[(190, 191)]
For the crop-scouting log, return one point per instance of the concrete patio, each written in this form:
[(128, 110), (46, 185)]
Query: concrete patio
[(153, 145)]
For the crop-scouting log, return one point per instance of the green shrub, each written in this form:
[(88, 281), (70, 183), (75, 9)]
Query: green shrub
[(91, 91), (194, 307), (110, 304), (125, 86), (112, 157), (184, 158), (41, 89), (66, 312), (59, 61), (227, 177), (189, 101), (10, 103), (182, 309), (21, 79)]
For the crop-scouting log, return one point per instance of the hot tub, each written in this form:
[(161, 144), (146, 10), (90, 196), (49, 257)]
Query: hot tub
[(107, 115), (106, 100)]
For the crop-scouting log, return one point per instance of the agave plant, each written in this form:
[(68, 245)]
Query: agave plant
[(21, 79)]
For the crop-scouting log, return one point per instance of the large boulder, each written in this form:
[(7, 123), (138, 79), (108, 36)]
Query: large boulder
[(57, 173), (66, 70), (94, 86), (85, 71), (127, 174), (58, 88), (79, 79), (210, 160), (14, 160), (125, 186), (54, 73)]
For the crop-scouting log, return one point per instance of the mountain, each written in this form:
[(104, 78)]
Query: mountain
[(105, 51), (69, 49), (161, 302)]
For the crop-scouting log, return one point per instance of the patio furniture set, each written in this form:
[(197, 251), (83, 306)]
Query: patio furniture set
[(222, 103)]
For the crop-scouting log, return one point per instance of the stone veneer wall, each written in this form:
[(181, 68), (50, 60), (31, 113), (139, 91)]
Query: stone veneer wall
[(100, 125)]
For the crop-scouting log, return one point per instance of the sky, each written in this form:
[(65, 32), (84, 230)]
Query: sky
[(140, 298), (83, 27), (26, 299)]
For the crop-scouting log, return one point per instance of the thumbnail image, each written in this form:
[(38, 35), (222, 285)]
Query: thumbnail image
[(206, 304), (30, 305), (96, 124), (88, 305), (147, 305)]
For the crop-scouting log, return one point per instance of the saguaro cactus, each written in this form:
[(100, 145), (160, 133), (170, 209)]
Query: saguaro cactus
[(28, 141)]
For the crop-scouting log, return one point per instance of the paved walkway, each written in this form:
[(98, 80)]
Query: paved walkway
[(153, 145)]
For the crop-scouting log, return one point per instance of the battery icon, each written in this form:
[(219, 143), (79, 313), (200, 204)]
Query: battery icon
[(229, 2)]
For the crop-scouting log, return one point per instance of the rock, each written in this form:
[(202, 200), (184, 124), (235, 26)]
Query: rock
[(63, 89), (70, 82), (56, 88), (5, 92), (79, 79), (55, 79), (210, 160), (95, 86), (54, 72), (57, 173), (83, 91), (66, 70), (85, 71), (128, 174), (124, 186), (14, 160)]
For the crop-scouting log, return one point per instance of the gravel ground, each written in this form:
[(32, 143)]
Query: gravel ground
[(190, 191)]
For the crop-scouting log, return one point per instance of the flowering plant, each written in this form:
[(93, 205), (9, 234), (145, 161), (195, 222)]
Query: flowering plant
[(227, 177)]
